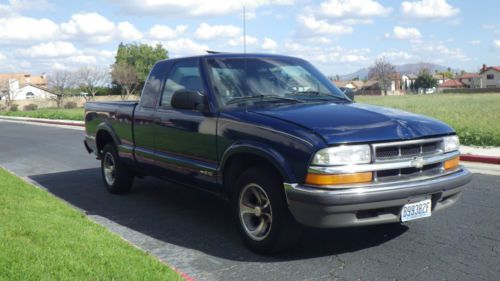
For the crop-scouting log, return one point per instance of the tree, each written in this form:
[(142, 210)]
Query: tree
[(61, 83), (91, 80), (126, 77), (382, 71), (4, 90), (425, 80), (141, 57)]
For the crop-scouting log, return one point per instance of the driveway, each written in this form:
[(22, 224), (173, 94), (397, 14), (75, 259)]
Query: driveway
[(193, 231)]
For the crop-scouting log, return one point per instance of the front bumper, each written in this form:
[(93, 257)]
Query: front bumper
[(369, 205)]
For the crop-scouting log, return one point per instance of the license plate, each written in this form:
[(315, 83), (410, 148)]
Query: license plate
[(416, 210)]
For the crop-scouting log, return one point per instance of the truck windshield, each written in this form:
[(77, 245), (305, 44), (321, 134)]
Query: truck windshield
[(276, 80)]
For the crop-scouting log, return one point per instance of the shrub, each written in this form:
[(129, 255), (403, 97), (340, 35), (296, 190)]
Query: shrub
[(70, 104), (30, 107), (14, 107)]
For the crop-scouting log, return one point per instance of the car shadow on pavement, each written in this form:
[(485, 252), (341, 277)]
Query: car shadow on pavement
[(196, 220)]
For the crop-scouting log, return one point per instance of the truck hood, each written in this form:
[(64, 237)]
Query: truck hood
[(357, 123)]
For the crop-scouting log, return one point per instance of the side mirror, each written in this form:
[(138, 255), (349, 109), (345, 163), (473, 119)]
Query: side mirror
[(349, 93), (187, 99)]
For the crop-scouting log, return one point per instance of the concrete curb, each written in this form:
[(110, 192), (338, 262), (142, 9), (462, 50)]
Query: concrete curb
[(44, 121), (480, 159)]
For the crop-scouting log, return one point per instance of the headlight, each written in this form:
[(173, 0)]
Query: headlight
[(451, 143), (343, 155)]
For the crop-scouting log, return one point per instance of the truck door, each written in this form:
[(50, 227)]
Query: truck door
[(144, 129), (185, 140)]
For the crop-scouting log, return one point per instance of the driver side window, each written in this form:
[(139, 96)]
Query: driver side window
[(184, 75)]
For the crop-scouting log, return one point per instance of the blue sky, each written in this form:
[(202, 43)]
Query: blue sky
[(338, 36)]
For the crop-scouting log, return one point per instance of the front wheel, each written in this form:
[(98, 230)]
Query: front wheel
[(263, 219), (116, 176)]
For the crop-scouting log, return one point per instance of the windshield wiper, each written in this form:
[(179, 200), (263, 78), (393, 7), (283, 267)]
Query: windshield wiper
[(317, 94), (261, 98)]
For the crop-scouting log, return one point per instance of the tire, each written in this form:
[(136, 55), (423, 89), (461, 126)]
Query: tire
[(261, 212), (116, 176)]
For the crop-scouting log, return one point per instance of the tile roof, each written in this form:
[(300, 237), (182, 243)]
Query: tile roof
[(26, 79), (451, 83)]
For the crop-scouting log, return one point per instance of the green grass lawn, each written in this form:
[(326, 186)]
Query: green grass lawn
[(475, 117), (49, 113), (43, 238)]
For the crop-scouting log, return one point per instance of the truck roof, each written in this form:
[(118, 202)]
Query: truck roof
[(234, 55)]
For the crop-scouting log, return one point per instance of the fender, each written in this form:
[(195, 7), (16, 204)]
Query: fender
[(261, 150), (106, 127)]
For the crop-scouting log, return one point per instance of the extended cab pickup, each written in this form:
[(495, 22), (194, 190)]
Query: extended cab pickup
[(283, 144)]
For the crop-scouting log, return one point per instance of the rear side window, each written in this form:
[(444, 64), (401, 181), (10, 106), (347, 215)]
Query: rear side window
[(152, 87), (183, 75)]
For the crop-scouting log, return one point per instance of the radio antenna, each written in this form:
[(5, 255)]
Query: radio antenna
[(244, 30)]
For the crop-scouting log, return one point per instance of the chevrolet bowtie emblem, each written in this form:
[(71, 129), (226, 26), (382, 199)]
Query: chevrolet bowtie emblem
[(417, 162)]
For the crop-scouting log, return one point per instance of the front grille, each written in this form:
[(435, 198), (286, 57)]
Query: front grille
[(401, 150), (395, 174), (407, 151)]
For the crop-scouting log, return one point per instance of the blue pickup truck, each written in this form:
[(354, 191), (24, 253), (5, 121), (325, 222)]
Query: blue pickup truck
[(281, 142)]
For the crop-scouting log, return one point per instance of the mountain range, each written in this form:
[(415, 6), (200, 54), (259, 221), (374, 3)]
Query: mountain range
[(409, 68)]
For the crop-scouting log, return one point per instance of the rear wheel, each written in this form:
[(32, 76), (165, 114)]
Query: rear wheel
[(264, 221), (116, 176)]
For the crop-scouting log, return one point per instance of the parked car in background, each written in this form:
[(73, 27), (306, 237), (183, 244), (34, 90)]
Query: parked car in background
[(281, 142)]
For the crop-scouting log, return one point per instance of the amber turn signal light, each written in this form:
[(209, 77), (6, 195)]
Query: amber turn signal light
[(322, 179), (452, 163)]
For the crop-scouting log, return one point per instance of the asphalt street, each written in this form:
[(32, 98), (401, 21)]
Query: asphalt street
[(193, 231)]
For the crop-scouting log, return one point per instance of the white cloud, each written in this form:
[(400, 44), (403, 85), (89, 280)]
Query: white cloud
[(83, 60), (428, 9), (163, 32), (26, 29), (194, 8), (352, 8), (2, 57), (310, 26), (89, 26), (396, 56), (127, 31), (496, 44), (209, 32), (438, 52), (50, 50), (269, 44), (328, 55), (250, 40), (475, 42), (402, 33), (184, 47)]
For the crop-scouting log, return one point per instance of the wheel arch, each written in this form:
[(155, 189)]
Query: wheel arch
[(240, 157), (105, 135)]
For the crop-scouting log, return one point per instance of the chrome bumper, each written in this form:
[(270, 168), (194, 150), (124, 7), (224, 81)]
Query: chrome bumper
[(371, 204)]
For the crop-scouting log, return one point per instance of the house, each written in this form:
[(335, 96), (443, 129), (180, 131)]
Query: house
[(372, 88), (451, 84), (354, 85), (440, 78), (470, 80), (490, 76), (407, 80), (28, 91), (26, 79)]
